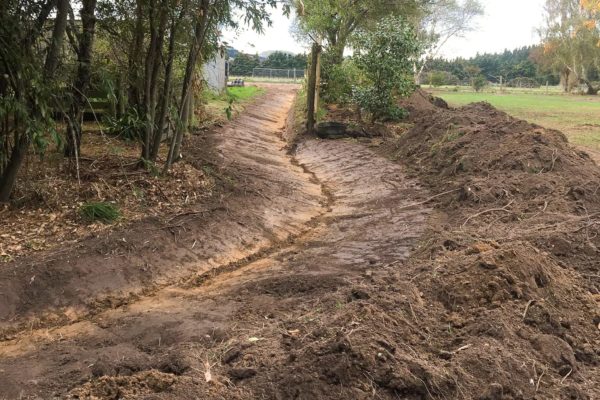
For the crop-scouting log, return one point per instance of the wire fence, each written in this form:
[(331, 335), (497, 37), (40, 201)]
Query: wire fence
[(274, 73)]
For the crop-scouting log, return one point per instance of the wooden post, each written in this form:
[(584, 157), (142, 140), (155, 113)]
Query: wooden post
[(311, 90), (318, 82)]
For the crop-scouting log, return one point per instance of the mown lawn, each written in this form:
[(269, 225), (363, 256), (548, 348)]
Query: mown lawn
[(577, 116), (244, 93), (215, 105)]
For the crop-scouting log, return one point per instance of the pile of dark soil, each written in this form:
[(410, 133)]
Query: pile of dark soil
[(421, 103), (513, 259)]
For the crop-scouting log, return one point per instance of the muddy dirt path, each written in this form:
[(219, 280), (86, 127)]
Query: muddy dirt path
[(267, 199), (208, 334)]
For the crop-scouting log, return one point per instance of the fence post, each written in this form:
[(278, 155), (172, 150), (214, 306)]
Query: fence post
[(318, 80), (311, 90)]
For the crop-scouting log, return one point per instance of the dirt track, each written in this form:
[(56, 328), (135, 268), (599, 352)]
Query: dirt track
[(235, 303)]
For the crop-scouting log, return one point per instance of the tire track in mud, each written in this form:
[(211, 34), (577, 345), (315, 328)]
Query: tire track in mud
[(362, 225)]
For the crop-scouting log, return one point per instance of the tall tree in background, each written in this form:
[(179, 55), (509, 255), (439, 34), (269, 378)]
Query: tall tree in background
[(444, 20), (571, 38), (243, 64), (82, 43), (335, 21)]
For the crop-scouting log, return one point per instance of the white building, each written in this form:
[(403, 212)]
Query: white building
[(216, 72)]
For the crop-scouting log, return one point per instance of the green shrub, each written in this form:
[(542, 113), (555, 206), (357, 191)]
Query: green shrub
[(338, 80), (479, 82), (384, 56), (441, 78), (100, 211), (130, 126)]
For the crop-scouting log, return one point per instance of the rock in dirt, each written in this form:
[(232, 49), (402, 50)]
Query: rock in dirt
[(554, 350), (239, 374), (174, 363), (232, 354), (494, 392)]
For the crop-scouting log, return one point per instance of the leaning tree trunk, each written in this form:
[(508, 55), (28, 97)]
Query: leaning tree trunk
[(153, 57), (58, 35), (591, 90), (200, 31), (9, 174), (166, 91), (82, 82)]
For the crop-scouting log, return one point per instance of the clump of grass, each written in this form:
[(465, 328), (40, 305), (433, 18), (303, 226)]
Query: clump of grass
[(100, 211), (451, 135)]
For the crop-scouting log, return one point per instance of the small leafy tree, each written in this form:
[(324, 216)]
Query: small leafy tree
[(437, 78), (479, 82), (385, 55)]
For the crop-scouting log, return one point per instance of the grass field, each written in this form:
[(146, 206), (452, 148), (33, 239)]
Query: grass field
[(251, 79), (216, 105), (577, 116)]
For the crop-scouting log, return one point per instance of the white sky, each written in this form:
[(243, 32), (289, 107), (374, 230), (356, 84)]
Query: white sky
[(507, 24)]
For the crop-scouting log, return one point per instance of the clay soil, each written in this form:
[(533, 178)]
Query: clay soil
[(455, 259)]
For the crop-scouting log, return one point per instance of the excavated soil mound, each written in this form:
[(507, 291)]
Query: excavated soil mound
[(496, 157), (421, 103), (511, 268)]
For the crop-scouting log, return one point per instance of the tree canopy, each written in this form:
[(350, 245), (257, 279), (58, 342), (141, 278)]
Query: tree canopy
[(143, 54), (571, 40)]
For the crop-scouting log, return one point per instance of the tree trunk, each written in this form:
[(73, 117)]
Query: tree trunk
[(164, 108), (153, 57), (9, 175), (82, 82), (58, 35), (121, 96), (202, 25), (135, 55)]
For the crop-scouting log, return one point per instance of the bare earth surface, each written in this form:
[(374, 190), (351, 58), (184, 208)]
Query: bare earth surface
[(331, 273), (240, 300)]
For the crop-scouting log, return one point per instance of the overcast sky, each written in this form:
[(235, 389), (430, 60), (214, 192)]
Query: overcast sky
[(507, 24)]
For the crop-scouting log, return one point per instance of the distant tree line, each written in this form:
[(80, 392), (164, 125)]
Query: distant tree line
[(243, 64), (519, 67)]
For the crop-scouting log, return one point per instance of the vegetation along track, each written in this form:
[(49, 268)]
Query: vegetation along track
[(350, 219)]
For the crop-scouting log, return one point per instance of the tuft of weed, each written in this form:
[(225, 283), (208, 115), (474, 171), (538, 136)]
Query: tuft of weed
[(451, 135), (100, 211)]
